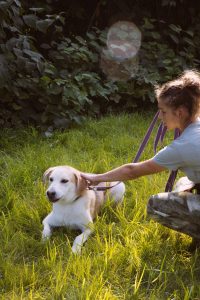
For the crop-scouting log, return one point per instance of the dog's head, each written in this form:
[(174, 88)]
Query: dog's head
[(65, 184)]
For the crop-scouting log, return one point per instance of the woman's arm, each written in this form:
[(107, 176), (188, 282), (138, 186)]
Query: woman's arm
[(126, 172)]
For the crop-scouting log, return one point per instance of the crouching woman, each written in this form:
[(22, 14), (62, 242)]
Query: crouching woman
[(178, 104)]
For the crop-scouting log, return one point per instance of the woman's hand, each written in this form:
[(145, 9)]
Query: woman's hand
[(91, 179)]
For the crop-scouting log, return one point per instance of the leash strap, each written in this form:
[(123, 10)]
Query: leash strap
[(140, 150), (146, 138), (173, 174), (170, 181), (159, 137), (102, 188)]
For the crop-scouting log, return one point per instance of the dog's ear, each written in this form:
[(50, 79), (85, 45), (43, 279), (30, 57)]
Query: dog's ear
[(46, 174), (80, 182)]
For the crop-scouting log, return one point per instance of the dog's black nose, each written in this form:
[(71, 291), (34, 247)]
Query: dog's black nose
[(51, 195)]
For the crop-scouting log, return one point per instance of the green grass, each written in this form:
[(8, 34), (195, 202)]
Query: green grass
[(127, 257)]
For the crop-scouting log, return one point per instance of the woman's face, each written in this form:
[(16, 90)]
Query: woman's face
[(168, 115)]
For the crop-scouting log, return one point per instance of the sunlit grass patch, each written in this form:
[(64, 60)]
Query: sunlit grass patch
[(127, 257)]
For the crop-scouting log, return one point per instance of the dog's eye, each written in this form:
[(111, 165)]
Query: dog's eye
[(51, 179), (64, 181)]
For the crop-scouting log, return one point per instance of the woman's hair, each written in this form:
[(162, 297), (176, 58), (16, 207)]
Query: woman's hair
[(183, 91)]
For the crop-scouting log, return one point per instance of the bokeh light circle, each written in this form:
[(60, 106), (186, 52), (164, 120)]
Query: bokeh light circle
[(119, 60)]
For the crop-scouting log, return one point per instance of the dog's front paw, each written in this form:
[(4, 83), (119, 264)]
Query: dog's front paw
[(46, 234), (76, 248), (45, 238)]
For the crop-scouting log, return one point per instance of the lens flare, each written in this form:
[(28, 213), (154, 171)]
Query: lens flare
[(119, 60)]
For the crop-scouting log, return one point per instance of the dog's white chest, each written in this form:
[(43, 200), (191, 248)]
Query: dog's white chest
[(71, 215)]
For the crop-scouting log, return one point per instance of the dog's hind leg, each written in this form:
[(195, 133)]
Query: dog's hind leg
[(116, 193), (81, 239)]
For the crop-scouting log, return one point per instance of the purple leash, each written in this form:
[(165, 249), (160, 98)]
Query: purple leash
[(159, 137), (140, 150), (172, 176), (146, 138)]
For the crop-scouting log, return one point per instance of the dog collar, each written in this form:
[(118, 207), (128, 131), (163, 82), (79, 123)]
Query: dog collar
[(76, 198)]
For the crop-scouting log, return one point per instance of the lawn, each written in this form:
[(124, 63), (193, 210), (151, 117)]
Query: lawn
[(127, 257)]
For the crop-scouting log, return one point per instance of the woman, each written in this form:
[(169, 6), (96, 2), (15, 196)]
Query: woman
[(178, 103)]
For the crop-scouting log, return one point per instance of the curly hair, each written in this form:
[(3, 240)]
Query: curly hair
[(183, 91)]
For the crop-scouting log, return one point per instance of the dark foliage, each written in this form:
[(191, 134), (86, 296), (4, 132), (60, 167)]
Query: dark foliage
[(50, 52)]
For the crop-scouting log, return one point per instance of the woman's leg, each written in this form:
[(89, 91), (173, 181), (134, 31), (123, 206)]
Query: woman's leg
[(178, 211)]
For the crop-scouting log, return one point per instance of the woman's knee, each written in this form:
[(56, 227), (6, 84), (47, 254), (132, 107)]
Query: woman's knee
[(177, 207), (165, 205), (157, 203), (178, 211)]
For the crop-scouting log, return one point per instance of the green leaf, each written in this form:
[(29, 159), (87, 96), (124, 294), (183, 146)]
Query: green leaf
[(189, 41), (174, 38), (78, 119), (91, 35), (18, 52), (61, 19), (44, 25), (175, 28), (80, 40), (35, 56), (190, 33), (17, 2), (40, 66), (155, 35), (30, 20), (46, 79), (37, 9)]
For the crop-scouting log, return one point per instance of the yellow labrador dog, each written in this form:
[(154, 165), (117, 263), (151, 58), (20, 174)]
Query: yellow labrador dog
[(74, 205)]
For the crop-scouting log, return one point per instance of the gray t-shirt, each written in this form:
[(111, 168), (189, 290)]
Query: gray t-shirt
[(183, 153)]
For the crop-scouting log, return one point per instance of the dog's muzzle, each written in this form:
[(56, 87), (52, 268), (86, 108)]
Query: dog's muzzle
[(52, 196)]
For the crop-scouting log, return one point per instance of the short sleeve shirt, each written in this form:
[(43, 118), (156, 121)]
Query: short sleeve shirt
[(183, 153)]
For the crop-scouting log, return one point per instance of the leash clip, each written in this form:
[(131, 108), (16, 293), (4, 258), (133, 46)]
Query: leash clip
[(93, 188), (102, 188)]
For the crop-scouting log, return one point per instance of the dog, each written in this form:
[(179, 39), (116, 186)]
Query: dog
[(74, 205)]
